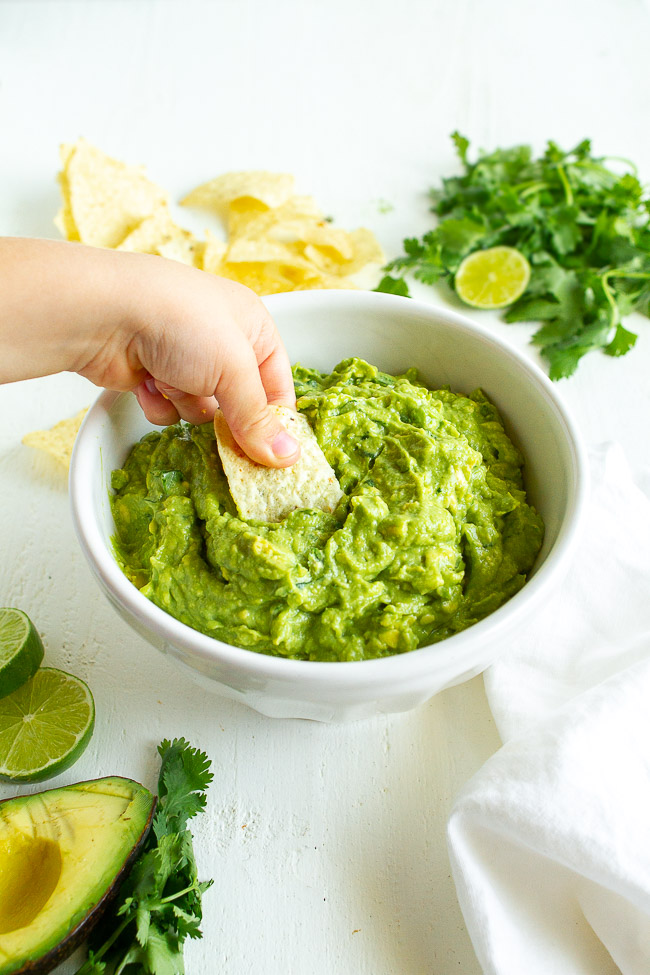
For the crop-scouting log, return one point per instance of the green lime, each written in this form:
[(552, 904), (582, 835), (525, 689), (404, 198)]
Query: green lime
[(492, 278), (21, 650), (44, 726)]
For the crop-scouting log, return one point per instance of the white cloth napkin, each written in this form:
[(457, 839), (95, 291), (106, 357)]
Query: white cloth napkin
[(550, 840)]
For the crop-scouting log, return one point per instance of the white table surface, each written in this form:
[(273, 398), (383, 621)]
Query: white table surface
[(327, 844)]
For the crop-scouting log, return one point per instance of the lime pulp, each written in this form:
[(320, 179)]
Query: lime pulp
[(45, 725)]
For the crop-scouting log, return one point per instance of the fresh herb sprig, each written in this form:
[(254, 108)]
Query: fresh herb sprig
[(159, 904), (584, 228)]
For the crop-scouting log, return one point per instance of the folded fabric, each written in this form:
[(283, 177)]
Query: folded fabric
[(550, 841)]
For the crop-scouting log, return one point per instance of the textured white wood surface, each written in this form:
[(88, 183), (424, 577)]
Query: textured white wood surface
[(326, 843)]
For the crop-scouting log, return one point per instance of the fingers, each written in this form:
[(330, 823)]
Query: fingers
[(273, 363), (213, 341), (194, 409), (163, 404), (155, 407), (243, 400), (277, 378)]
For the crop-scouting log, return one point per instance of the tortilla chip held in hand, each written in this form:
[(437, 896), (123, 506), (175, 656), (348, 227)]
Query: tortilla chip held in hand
[(270, 493)]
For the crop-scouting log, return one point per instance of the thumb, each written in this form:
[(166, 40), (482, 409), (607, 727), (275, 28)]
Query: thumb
[(243, 402)]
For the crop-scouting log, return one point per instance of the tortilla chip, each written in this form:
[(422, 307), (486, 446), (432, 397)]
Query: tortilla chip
[(59, 440), (276, 240), (64, 219), (269, 493), (158, 234), (268, 189), (287, 223), (213, 253), (243, 250), (273, 277), (104, 200)]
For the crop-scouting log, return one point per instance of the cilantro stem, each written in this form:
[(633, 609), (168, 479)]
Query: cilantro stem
[(177, 894), (534, 186), (623, 159), (122, 965), (618, 272), (108, 943), (568, 192)]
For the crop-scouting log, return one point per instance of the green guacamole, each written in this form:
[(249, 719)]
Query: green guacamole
[(432, 534)]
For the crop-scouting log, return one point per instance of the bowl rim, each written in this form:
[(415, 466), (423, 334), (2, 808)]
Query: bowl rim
[(368, 673)]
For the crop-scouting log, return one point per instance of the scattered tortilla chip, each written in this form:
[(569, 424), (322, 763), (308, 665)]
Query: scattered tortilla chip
[(272, 277), (158, 234), (276, 240), (213, 253), (64, 219), (244, 250), (59, 440), (269, 189), (104, 200), (287, 223), (269, 493)]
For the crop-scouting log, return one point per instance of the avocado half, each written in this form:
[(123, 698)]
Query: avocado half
[(63, 855)]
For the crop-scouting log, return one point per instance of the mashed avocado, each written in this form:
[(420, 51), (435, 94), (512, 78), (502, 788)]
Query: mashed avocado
[(432, 534)]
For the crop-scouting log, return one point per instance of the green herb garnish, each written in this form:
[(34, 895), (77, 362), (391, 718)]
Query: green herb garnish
[(159, 904), (583, 227)]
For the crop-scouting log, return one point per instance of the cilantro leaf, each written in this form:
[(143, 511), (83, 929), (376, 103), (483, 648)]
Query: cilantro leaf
[(622, 342), (184, 777), (584, 227), (393, 286)]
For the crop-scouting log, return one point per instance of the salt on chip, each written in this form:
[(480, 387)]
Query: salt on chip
[(268, 493), (59, 440), (104, 199)]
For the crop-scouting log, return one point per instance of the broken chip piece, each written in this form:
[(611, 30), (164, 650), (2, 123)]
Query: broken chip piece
[(59, 440), (103, 199), (269, 493)]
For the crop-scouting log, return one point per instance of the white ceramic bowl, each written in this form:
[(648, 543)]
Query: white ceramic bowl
[(319, 329)]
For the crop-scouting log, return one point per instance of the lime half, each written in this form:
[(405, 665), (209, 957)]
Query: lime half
[(21, 650), (44, 726), (492, 278)]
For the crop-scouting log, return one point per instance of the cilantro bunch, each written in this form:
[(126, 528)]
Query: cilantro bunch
[(584, 228), (159, 904)]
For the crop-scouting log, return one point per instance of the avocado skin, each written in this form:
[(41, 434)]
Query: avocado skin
[(52, 956)]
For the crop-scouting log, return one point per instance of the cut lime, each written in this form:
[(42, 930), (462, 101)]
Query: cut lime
[(21, 650), (492, 278), (44, 726)]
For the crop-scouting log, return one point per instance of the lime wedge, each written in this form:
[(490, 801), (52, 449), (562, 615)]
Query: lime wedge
[(44, 726), (21, 650), (492, 278)]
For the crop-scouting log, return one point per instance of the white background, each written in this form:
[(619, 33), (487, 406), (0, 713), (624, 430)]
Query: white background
[(326, 843)]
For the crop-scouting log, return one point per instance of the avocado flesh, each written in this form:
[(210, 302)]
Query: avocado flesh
[(63, 853)]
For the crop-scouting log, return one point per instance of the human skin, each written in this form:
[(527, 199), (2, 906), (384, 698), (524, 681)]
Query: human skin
[(184, 341)]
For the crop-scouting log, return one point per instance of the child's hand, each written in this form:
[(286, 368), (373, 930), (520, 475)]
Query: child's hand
[(206, 339), (180, 338)]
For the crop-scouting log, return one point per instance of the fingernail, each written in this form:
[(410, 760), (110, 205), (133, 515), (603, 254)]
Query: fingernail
[(168, 392), (283, 445)]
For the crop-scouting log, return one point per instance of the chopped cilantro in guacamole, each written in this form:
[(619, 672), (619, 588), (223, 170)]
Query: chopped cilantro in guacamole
[(432, 534)]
